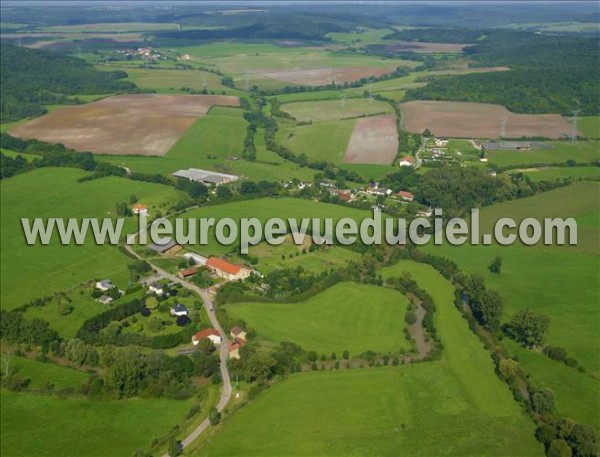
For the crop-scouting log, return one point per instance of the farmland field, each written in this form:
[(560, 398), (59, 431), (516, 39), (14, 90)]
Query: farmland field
[(41, 373), (54, 192), (125, 124), (333, 110), (589, 126), (92, 428), (551, 173), (479, 120), (374, 140), (386, 411), (582, 151), (348, 316)]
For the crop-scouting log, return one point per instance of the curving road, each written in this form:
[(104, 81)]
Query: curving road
[(223, 349)]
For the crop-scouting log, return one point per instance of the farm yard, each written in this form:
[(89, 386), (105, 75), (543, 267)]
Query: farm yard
[(124, 124), (374, 140), (479, 120), (348, 316)]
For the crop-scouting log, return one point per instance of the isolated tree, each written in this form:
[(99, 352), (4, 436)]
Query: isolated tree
[(427, 133), (312, 356), (175, 448), (214, 416), (133, 199), (529, 328), (346, 355), (496, 265)]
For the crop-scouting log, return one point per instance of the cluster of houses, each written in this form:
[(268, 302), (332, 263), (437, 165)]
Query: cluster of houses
[(105, 285), (145, 53), (372, 190), (237, 334)]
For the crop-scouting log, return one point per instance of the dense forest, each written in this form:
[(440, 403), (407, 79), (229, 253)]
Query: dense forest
[(549, 73), (30, 78)]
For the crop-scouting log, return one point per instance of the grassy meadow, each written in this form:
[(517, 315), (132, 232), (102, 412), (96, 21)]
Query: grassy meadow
[(34, 271), (41, 373), (582, 151), (331, 110), (348, 316), (456, 406)]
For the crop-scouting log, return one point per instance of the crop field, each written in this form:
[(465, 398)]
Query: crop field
[(426, 48), (419, 408), (291, 255), (143, 124), (374, 140), (479, 120), (319, 141), (582, 151), (44, 425), (331, 110), (54, 192), (348, 316), (530, 278)]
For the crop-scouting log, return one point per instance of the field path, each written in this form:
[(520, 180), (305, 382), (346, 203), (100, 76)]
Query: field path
[(223, 349)]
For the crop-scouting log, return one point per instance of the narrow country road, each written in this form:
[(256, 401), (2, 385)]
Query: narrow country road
[(223, 349)]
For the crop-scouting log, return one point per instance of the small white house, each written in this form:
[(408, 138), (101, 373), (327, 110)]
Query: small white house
[(104, 285), (105, 300), (179, 310), (156, 289), (406, 161), (140, 209)]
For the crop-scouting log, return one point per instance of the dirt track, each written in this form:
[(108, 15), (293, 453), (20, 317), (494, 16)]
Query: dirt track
[(374, 140), (479, 120), (143, 124)]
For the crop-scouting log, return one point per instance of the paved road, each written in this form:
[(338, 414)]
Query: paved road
[(223, 350)]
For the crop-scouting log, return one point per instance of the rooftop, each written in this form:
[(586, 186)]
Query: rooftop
[(162, 247)]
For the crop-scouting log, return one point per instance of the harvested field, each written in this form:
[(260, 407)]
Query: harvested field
[(374, 140), (479, 120), (324, 76), (416, 46), (142, 124)]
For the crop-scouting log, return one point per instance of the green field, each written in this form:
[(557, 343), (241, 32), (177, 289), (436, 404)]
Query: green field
[(552, 173), (582, 151), (453, 407), (348, 316), (30, 272), (42, 373), (44, 425), (589, 126), (321, 141), (220, 134), (331, 110)]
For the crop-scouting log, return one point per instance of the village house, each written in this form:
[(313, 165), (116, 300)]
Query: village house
[(407, 161), (237, 333), (140, 209), (179, 310), (441, 142), (104, 285), (234, 349), (105, 300), (169, 248), (187, 272), (227, 270), (156, 289), (425, 212), (405, 195), (212, 334)]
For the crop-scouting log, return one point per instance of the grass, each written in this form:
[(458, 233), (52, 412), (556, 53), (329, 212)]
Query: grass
[(453, 407), (220, 134), (589, 126), (561, 282), (369, 171), (332, 110), (322, 141), (582, 151), (30, 272), (575, 394), (348, 316), (44, 425), (553, 173), (42, 373)]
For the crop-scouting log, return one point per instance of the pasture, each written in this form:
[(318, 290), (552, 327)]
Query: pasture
[(552, 173), (44, 425), (374, 140), (582, 151), (29, 272), (348, 316), (589, 126), (414, 409), (41, 374), (145, 124), (332, 110), (479, 120), (530, 277)]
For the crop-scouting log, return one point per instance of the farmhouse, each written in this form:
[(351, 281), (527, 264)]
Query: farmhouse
[(237, 333), (405, 195), (205, 176), (197, 258), (212, 334), (169, 248), (234, 349), (441, 142), (179, 310), (227, 270), (140, 209), (407, 161), (156, 289), (104, 285), (105, 300), (187, 272)]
